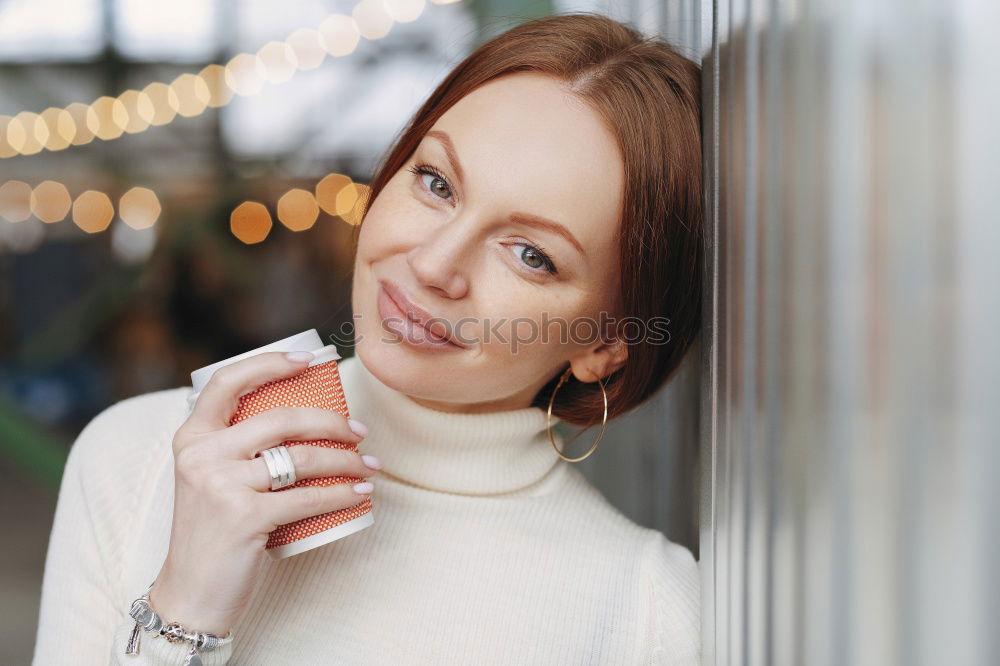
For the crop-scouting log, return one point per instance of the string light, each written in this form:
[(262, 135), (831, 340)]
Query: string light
[(138, 108), (278, 61), (327, 190), (349, 201), (108, 118), (164, 103), (22, 133), (191, 94), (219, 94), (404, 11), (373, 21), (50, 201), (307, 45), (82, 134), (60, 128), (250, 222), (6, 150), (339, 34), (139, 208), (297, 209), (92, 211), (15, 201), (245, 75)]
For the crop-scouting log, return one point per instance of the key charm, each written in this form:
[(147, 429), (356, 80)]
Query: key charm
[(132, 647)]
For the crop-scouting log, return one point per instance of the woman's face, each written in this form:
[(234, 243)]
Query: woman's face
[(452, 232)]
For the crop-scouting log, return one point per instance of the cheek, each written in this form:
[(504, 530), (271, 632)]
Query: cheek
[(393, 224), (531, 324)]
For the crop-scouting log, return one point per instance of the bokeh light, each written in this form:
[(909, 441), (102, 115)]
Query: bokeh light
[(82, 134), (372, 19), (6, 150), (93, 211), (327, 190), (340, 35), (245, 75), (192, 94), (50, 201), (219, 94), (139, 109), (404, 11), (60, 126), (139, 208), (15, 201), (278, 61), (307, 44), (351, 201), (107, 118), (189, 95), (164, 103), (297, 209), (250, 222), (23, 133)]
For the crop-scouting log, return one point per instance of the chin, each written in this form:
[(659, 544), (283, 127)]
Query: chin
[(397, 365)]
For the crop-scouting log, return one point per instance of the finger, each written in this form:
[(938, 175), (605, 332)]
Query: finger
[(285, 423), (310, 462), (220, 397), (287, 506)]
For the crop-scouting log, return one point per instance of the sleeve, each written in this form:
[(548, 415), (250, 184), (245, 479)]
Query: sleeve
[(80, 620), (672, 608)]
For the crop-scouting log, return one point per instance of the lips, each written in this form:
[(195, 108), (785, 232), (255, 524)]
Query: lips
[(436, 331)]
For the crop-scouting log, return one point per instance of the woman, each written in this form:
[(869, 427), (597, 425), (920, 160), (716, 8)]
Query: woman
[(554, 175)]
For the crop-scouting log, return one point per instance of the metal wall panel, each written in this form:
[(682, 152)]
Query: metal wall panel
[(850, 418)]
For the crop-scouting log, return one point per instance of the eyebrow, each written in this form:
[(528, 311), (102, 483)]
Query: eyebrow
[(526, 219)]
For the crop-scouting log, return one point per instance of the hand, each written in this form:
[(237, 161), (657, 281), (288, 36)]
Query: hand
[(223, 506)]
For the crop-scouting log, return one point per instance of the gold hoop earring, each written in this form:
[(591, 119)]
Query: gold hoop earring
[(548, 419)]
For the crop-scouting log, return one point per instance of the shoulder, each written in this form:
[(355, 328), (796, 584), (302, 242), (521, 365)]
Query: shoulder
[(654, 554), (130, 432), (671, 580), (667, 576), (659, 560)]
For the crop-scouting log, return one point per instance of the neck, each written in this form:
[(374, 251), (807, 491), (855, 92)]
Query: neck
[(480, 453)]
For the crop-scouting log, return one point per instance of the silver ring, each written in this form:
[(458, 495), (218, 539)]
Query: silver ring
[(279, 466), (283, 450), (271, 469)]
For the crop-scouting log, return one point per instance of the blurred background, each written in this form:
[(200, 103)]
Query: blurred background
[(178, 184)]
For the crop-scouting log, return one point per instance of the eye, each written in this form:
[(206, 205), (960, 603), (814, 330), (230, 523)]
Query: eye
[(427, 170), (536, 258), (533, 256)]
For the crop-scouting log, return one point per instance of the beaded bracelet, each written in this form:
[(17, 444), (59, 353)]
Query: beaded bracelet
[(148, 619)]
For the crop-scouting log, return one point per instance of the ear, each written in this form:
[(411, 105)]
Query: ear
[(599, 361)]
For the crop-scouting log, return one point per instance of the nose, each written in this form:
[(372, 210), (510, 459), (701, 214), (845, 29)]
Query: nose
[(438, 262)]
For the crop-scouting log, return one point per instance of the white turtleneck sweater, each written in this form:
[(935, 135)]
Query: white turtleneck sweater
[(487, 548)]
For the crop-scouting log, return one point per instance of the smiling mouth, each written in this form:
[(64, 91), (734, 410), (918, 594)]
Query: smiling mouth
[(411, 331)]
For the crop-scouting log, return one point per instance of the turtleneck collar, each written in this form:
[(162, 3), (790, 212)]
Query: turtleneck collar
[(474, 454)]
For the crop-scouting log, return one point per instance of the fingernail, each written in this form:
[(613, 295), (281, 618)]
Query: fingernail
[(372, 461), (359, 428), (299, 356), (363, 488)]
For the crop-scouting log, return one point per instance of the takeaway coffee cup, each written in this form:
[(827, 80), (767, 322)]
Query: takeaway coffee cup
[(317, 386)]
